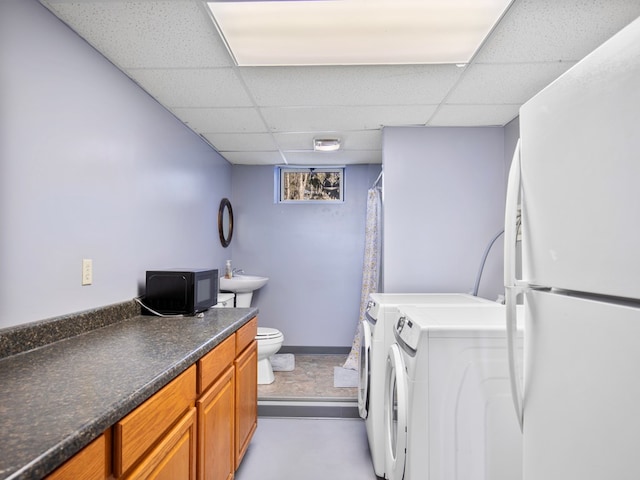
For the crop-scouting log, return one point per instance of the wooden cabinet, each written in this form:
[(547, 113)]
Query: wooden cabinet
[(216, 386), (148, 424), (197, 426), (227, 411), (246, 369), (91, 463)]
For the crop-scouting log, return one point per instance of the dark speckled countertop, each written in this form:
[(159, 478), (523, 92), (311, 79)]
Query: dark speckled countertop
[(57, 398)]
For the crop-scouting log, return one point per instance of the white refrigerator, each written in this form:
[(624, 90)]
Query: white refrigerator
[(575, 178)]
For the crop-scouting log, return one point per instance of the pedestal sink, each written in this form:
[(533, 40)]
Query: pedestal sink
[(243, 286)]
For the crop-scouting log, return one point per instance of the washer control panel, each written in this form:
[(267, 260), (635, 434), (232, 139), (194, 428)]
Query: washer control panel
[(408, 331), (372, 311)]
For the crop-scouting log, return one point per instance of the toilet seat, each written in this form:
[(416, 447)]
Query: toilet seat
[(265, 333)]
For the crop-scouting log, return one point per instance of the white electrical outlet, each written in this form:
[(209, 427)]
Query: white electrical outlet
[(87, 271)]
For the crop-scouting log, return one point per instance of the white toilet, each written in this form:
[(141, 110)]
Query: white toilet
[(269, 342)]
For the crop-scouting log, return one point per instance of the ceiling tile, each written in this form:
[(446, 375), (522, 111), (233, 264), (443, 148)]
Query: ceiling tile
[(221, 120), (473, 115), (254, 158), (504, 83), (305, 119), (230, 142), (147, 33), (358, 140), (552, 30), (334, 158), (173, 50), (214, 87), (363, 85)]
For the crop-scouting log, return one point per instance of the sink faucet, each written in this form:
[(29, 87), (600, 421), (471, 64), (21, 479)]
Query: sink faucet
[(237, 271)]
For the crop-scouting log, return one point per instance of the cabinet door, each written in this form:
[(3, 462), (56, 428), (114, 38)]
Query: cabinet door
[(246, 416), (174, 458), (216, 411)]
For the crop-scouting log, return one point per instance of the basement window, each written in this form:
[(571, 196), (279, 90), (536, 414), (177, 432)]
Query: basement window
[(309, 184)]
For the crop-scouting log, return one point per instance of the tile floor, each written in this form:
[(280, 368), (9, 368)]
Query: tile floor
[(312, 378), (308, 449)]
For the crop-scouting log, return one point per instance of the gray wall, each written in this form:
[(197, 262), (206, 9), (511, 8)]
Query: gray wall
[(311, 253), (444, 193), (91, 167)]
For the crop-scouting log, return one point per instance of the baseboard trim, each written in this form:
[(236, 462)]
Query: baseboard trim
[(306, 350)]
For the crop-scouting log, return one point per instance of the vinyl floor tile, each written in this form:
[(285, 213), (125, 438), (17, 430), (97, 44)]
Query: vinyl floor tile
[(312, 378), (308, 449)]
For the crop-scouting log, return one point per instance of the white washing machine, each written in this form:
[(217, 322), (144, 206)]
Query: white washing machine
[(377, 336), (448, 411)]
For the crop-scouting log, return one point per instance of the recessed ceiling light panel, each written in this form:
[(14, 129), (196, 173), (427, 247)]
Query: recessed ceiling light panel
[(355, 32)]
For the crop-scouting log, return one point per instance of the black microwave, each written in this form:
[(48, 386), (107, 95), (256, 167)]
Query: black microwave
[(181, 291)]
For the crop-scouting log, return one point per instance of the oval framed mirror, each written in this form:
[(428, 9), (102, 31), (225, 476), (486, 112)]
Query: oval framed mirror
[(225, 222)]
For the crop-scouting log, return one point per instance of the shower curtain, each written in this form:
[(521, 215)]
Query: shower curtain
[(370, 269)]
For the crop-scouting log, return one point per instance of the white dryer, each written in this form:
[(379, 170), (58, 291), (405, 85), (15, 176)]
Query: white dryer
[(377, 336), (448, 412)]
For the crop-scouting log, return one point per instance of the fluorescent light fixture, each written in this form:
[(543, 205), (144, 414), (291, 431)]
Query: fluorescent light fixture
[(326, 144), (355, 32)]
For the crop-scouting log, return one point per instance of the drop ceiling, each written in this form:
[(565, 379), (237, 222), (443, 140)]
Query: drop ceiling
[(270, 115)]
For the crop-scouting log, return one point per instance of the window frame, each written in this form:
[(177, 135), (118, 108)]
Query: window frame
[(280, 178)]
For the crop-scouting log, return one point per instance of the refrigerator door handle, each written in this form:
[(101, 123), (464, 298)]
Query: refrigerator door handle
[(512, 284), (511, 294), (511, 219)]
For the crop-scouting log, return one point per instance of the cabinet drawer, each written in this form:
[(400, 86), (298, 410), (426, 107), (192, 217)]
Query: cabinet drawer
[(138, 431), (215, 362), (246, 334), (88, 464)]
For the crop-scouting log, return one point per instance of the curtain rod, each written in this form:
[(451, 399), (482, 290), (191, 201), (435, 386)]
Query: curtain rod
[(377, 180)]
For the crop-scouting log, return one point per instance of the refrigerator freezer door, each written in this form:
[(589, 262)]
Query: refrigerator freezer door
[(582, 389), (580, 141)]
